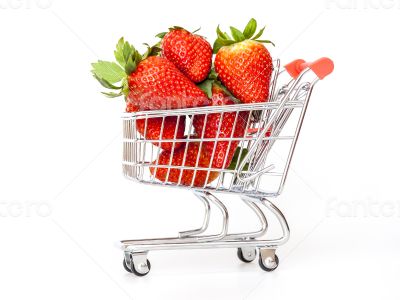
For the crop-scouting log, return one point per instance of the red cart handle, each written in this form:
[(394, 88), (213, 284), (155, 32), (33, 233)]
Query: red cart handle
[(294, 68), (321, 67)]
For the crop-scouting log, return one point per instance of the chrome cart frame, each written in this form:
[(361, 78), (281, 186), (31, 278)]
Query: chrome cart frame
[(273, 124)]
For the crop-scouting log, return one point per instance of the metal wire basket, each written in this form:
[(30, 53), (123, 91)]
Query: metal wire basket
[(263, 153)]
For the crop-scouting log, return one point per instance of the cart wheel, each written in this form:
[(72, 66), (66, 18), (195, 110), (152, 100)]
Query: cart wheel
[(268, 264), (248, 256), (128, 269), (143, 270)]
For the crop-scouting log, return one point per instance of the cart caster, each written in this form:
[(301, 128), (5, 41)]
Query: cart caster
[(128, 269), (247, 255), (268, 260), (137, 264)]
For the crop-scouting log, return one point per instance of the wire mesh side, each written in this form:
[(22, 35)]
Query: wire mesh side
[(186, 167)]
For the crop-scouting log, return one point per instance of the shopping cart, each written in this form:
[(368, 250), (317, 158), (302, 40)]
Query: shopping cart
[(263, 156)]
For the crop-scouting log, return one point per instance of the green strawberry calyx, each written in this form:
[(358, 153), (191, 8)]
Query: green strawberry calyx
[(237, 159), (224, 39), (206, 84), (212, 79), (114, 75)]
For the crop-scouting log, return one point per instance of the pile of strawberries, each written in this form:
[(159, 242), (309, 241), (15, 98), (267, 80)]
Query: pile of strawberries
[(179, 72)]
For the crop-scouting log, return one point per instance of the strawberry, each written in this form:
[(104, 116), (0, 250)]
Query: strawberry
[(243, 63), (195, 156), (148, 81), (158, 84), (189, 52), (227, 126), (152, 131)]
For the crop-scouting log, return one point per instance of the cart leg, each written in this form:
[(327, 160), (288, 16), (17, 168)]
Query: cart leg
[(282, 221), (206, 219), (225, 218), (261, 216)]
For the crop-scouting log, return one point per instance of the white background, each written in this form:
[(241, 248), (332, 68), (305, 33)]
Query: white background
[(64, 203)]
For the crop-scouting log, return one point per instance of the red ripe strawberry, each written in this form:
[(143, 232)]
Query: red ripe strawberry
[(189, 52), (229, 124), (185, 176), (147, 82), (243, 63), (158, 84), (152, 131)]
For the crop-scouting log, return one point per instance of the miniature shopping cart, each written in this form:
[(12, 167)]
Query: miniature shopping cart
[(263, 157)]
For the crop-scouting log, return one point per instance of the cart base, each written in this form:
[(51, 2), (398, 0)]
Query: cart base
[(135, 251)]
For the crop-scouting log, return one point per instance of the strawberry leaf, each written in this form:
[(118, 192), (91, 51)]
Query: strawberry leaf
[(176, 27), (106, 84), (118, 53), (127, 51), (259, 33), (236, 160), (112, 95), (108, 71), (127, 56), (125, 86), (206, 87), (130, 65), (152, 51), (265, 41), (213, 74), (226, 42), (161, 35), (216, 46), (222, 35), (237, 34), (196, 30), (250, 29), (219, 43)]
